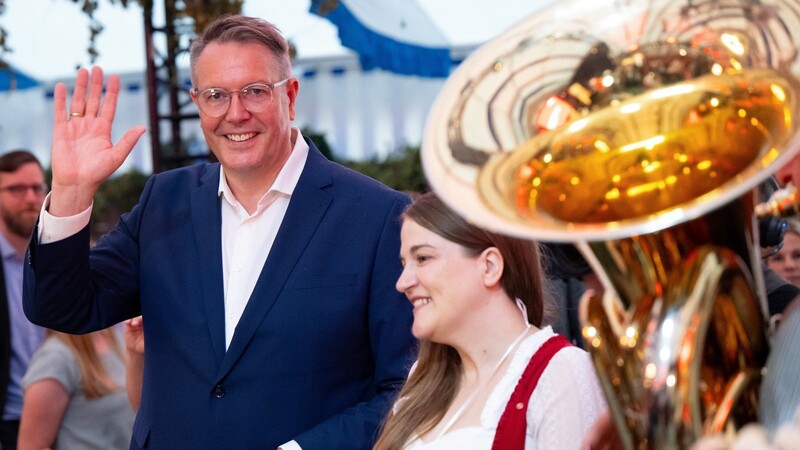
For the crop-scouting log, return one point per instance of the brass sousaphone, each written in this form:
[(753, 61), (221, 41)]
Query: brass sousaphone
[(637, 130)]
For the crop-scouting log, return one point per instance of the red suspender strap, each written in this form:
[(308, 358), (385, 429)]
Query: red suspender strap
[(513, 423)]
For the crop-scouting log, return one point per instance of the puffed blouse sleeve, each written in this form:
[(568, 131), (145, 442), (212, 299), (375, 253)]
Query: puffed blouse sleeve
[(566, 402)]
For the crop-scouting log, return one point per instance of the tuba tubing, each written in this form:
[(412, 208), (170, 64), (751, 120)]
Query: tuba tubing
[(679, 337)]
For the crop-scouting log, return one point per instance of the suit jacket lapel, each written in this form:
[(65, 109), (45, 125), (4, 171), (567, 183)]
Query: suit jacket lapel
[(307, 207), (207, 225)]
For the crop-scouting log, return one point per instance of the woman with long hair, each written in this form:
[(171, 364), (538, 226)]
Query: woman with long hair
[(487, 376), (74, 394)]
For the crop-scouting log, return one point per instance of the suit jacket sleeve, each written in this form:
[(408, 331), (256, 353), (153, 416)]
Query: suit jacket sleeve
[(67, 290), (393, 349)]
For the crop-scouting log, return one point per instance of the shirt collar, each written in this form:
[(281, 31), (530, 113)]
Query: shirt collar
[(287, 178)]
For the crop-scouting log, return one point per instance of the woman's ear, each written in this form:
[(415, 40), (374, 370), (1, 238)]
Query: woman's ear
[(493, 266)]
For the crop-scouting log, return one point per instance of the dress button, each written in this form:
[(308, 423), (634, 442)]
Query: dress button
[(219, 391)]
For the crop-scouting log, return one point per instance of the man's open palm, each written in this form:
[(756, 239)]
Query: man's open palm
[(83, 154)]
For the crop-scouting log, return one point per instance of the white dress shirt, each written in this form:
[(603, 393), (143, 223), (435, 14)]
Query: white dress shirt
[(247, 238)]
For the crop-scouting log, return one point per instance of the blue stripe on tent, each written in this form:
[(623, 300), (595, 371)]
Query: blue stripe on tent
[(376, 51), (10, 77)]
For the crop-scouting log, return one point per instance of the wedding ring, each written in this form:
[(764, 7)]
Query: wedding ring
[(76, 114)]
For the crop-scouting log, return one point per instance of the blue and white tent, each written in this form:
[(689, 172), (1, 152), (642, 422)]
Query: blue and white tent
[(424, 38), (398, 37)]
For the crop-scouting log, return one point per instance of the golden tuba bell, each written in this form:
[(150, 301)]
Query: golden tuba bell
[(637, 130)]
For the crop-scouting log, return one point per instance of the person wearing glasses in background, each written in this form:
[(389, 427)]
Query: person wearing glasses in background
[(265, 281), (22, 190)]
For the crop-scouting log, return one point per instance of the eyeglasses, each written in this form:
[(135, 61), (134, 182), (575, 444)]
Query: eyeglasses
[(255, 97), (19, 190)]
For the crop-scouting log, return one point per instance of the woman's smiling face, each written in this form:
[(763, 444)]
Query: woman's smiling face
[(440, 279)]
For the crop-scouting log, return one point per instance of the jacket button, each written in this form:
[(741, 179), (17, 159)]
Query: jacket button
[(219, 391)]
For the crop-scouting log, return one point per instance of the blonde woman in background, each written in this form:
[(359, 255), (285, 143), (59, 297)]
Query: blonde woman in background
[(74, 394)]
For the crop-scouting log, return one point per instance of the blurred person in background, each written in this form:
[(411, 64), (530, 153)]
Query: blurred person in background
[(786, 262), (780, 390), (75, 394), (22, 190)]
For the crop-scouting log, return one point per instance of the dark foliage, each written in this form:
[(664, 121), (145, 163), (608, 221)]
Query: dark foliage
[(116, 196), (402, 170)]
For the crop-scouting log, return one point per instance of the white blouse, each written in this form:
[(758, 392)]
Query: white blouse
[(562, 408)]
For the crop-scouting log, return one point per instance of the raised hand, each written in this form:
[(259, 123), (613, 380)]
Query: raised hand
[(603, 435), (83, 156), (134, 336), (134, 370)]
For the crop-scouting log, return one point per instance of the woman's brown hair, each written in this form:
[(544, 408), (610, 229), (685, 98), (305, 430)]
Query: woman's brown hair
[(95, 380), (432, 386)]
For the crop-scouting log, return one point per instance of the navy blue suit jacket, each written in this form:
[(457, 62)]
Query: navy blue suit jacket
[(320, 350)]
